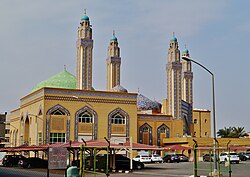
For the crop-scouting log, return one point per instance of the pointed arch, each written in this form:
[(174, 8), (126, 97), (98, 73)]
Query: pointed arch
[(60, 108), (93, 113), (57, 110), (160, 130), (21, 127), (142, 130), (123, 113), (40, 110), (26, 129)]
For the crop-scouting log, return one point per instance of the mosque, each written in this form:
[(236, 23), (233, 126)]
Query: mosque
[(67, 108)]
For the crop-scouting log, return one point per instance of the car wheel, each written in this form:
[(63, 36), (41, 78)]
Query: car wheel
[(29, 165), (237, 162), (139, 166)]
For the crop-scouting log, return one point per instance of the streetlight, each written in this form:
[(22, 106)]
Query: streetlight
[(214, 123), (37, 117)]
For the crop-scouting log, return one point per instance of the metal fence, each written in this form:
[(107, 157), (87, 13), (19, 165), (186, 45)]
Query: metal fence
[(209, 164)]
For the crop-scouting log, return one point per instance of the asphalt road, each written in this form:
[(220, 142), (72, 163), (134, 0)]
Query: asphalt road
[(184, 169)]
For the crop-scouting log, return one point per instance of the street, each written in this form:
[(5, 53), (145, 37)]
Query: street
[(184, 169)]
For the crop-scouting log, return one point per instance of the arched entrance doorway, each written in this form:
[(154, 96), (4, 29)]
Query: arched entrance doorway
[(26, 130)]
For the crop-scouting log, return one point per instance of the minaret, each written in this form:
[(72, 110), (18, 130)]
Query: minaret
[(174, 69), (113, 63), (187, 79), (84, 47)]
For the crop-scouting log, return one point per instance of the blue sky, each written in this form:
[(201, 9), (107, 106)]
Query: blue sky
[(37, 38)]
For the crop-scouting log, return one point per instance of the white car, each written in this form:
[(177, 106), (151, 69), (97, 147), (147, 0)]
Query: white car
[(234, 157), (156, 158), (143, 158)]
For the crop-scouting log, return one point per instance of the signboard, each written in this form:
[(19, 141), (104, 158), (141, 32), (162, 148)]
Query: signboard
[(58, 158)]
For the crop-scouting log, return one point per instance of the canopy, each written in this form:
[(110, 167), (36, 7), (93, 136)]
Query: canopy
[(176, 147)]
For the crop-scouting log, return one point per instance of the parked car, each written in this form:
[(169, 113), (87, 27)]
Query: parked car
[(2, 154), (244, 154), (143, 158), (11, 160), (208, 157), (182, 157), (33, 162), (170, 158), (224, 157), (121, 162), (156, 158)]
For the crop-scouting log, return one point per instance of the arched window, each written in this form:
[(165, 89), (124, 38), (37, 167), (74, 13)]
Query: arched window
[(118, 119), (85, 117), (162, 130), (195, 121), (145, 129), (58, 112)]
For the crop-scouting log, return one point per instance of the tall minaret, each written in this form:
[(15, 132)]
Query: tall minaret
[(187, 79), (174, 69), (84, 47), (113, 63)]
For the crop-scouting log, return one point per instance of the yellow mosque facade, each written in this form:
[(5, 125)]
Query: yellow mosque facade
[(67, 108)]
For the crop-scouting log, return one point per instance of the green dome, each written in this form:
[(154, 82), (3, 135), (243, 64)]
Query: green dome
[(85, 17), (113, 38), (174, 39), (63, 79), (185, 51)]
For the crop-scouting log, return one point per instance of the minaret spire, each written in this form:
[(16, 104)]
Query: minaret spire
[(174, 69), (84, 47), (113, 63)]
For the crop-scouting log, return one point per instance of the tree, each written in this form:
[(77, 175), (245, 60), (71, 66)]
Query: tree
[(225, 133), (232, 132), (238, 132)]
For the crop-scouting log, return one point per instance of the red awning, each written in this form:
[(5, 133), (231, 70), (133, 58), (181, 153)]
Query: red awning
[(141, 146), (240, 148), (177, 147)]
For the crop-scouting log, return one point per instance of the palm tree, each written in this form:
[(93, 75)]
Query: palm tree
[(225, 133), (238, 132), (232, 132)]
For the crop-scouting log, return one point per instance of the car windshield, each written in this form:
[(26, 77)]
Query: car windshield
[(156, 155), (232, 153)]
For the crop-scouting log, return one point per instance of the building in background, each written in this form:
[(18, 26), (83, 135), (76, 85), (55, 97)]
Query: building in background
[(4, 129)]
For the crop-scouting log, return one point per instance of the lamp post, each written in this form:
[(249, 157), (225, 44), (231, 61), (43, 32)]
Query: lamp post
[(37, 117), (213, 96)]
